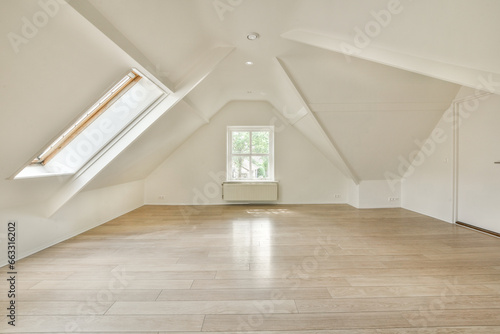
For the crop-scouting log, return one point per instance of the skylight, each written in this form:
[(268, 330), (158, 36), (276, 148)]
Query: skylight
[(132, 96)]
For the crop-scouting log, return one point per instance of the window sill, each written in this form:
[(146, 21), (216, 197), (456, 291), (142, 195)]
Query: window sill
[(36, 171), (252, 181)]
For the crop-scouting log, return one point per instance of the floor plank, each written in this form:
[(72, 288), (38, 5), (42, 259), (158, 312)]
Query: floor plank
[(269, 283), (204, 307), (313, 321), (397, 304), (245, 294), (410, 291), (436, 317), (90, 295), (108, 323), (63, 308), (107, 284), (442, 330)]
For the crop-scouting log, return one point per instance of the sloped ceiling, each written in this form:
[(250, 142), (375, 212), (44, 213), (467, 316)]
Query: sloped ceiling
[(385, 108), (373, 113), (363, 104)]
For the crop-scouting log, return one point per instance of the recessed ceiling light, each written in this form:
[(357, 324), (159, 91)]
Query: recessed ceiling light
[(249, 63), (253, 36)]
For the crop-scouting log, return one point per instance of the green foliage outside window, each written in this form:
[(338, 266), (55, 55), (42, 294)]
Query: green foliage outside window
[(250, 151)]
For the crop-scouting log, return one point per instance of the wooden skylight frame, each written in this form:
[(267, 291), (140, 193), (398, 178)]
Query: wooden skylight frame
[(87, 118)]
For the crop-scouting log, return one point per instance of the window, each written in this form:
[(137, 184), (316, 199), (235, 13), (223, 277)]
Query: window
[(250, 153), (96, 129), (86, 119)]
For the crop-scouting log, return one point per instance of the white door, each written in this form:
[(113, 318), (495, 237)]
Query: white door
[(478, 175)]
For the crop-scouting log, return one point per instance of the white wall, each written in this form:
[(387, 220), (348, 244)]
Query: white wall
[(378, 194), (193, 173), (427, 186), (375, 194), (353, 194), (87, 210)]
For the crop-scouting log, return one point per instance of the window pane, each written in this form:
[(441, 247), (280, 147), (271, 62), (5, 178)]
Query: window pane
[(260, 142), (106, 126), (241, 142), (241, 168), (260, 167)]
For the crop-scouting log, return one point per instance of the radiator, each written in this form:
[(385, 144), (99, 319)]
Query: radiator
[(254, 192)]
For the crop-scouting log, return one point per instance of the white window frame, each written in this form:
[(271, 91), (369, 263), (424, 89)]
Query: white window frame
[(230, 154)]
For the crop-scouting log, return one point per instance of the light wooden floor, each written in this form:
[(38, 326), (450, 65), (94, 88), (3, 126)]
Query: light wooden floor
[(263, 269)]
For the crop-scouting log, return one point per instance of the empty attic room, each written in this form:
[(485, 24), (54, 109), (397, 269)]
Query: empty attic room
[(250, 166)]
